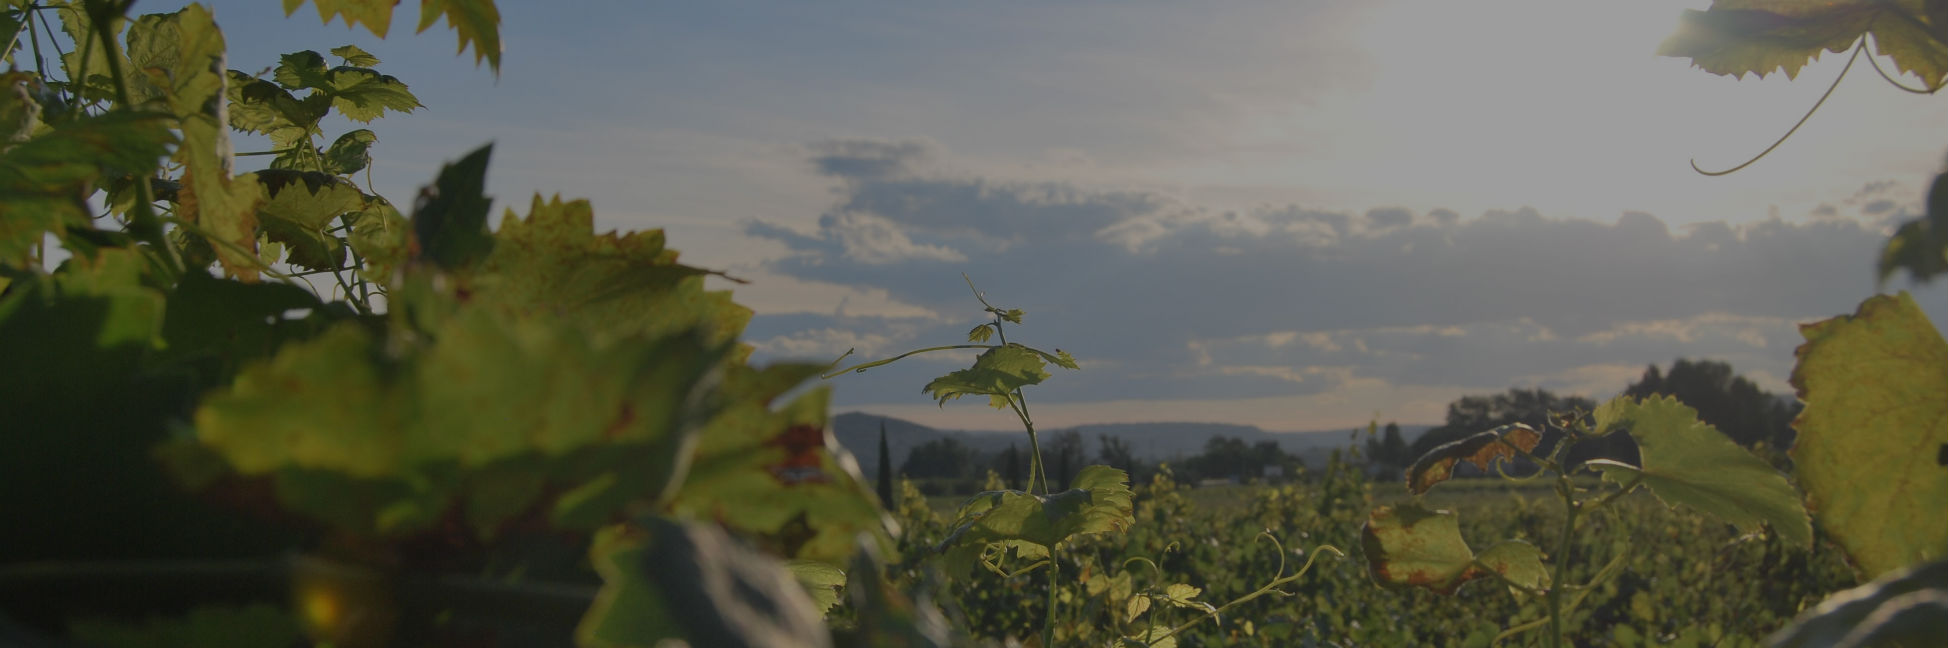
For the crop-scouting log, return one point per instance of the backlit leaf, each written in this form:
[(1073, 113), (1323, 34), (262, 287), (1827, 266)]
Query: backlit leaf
[(354, 56), (821, 580), (43, 180), (1410, 546), (475, 22), (450, 218), (997, 372), (1871, 439), (1100, 502), (1688, 462), (1481, 449), (376, 15), (1920, 246), (1736, 37)]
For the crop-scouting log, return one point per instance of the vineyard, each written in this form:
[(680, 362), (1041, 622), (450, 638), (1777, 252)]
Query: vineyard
[(270, 407)]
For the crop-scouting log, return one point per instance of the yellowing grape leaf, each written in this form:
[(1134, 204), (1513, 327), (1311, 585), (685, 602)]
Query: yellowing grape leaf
[(181, 54), (1481, 449), (1100, 502), (1410, 546), (1688, 462), (998, 372), (1736, 37), (1874, 434)]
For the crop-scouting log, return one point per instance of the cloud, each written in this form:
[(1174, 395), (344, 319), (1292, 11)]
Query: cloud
[(1294, 302)]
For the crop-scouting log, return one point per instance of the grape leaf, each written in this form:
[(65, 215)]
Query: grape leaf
[(302, 206), (1481, 449), (1906, 607), (190, 73), (1872, 434), (998, 372), (1100, 502), (42, 180), (668, 580), (1407, 545), (1688, 462), (450, 219), (474, 21), (87, 65), (1920, 246), (350, 153), (821, 580), (779, 474), (553, 263), (1736, 37), (376, 14), (364, 95), (354, 56)]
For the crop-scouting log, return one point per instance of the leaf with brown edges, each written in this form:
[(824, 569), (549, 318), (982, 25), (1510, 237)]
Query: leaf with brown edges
[(1480, 449)]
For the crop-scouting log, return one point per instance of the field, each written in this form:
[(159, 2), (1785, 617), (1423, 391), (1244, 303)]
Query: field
[(1685, 579)]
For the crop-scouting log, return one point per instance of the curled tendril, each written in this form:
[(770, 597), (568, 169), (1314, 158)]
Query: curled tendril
[(1893, 81), (1802, 120)]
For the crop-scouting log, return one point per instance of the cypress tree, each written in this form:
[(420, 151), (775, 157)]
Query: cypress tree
[(885, 485)]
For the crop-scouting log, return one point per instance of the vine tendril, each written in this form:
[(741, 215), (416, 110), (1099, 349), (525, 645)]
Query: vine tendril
[(1802, 120)]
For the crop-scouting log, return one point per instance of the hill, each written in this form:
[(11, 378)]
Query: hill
[(858, 432)]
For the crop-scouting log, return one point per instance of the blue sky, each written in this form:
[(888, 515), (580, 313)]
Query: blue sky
[(1294, 215)]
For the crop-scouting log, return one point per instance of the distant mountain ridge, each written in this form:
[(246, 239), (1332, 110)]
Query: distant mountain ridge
[(1150, 442)]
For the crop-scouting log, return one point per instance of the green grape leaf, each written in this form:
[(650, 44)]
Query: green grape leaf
[(552, 262), (1100, 502), (302, 206), (1407, 545), (364, 95), (350, 153), (1736, 37), (1686, 461), (997, 372), (375, 14), (668, 580), (1871, 438), (1905, 607), (43, 180), (980, 333), (354, 56), (450, 220), (1517, 563), (1185, 596), (229, 322), (486, 390), (87, 64), (780, 475), (1481, 449), (1920, 246), (821, 580), (476, 22), (379, 235), (253, 626), (302, 70)]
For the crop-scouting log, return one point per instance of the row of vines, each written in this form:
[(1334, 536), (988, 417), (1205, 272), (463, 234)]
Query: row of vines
[(271, 407)]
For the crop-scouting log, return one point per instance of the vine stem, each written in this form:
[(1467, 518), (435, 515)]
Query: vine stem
[(868, 365), (143, 222), (1269, 588), (1802, 120)]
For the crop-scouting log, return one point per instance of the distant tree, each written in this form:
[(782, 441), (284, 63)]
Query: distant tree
[(1393, 447), (943, 457), (885, 485), (1066, 458), (1726, 400), (1011, 466), (1115, 452), (1390, 448), (1224, 457)]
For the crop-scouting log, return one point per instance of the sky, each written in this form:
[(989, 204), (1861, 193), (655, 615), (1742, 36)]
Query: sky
[(1296, 215)]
